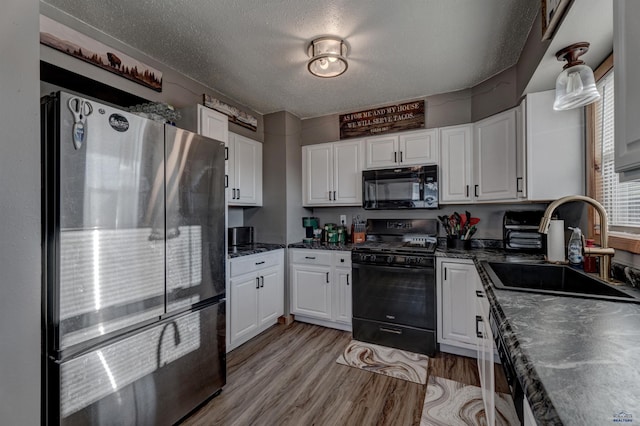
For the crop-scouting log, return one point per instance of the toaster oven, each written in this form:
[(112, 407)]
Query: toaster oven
[(520, 231)]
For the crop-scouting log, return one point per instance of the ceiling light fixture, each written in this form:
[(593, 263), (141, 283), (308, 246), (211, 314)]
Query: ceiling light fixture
[(575, 86), (328, 57)]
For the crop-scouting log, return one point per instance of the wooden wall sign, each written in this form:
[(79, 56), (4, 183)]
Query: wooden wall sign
[(387, 119)]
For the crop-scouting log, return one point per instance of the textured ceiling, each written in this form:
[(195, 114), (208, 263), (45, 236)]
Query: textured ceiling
[(255, 51)]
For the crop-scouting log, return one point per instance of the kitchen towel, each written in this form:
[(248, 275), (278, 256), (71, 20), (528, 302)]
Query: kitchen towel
[(555, 241)]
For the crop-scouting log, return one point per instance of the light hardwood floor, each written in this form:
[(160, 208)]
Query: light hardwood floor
[(288, 376)]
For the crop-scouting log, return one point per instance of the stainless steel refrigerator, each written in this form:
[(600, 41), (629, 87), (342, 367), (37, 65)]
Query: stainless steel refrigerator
[(134, 258)]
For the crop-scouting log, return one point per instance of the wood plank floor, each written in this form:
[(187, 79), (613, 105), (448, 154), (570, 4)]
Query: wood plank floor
[(288, 376)]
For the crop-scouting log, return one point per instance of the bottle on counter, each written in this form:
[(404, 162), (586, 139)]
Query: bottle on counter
[(574, 249), (590, 262)]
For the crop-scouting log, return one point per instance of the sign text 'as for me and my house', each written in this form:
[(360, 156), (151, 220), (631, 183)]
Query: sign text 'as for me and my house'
[(387, 119)]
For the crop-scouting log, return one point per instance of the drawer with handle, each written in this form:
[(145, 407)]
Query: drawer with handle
[(254, 262), (311, 257)]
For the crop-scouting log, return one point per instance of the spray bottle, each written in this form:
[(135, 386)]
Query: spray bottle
[(574, 249)]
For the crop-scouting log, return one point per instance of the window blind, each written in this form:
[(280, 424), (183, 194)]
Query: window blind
[(621, 200)]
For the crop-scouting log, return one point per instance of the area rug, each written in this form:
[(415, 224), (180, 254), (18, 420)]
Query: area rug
[(451, 403), (387, 361)]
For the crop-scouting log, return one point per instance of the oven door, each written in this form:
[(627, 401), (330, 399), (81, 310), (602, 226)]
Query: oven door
[(395, 294)]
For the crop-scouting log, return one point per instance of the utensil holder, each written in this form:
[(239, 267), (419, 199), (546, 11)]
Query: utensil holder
[(457, 243)]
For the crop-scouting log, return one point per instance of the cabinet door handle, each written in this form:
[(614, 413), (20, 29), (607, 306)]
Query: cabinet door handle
[(260, 263), (475, 190), (479, 333), (226, 181), (238, 193), (390, 330), (334, 195), (401, 156), (479, 293), (257, 282), (226, 152), (261, 281), (467, 191), (327, 278), (518, 184), (395, 157), (445, 274), (233, 196), (310, 257), (329, 195), (347, 279)]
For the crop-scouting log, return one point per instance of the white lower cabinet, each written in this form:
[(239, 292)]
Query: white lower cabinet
[(320, 282), (463, 322), (485, 349), (256, 296), (457, 280)]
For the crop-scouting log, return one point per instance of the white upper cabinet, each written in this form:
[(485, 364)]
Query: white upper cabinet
[(418, 147), (332, 174), (347, 173), (205, 121), (554, 143), (213, 124), (405, 149), (456, 163), (245, 171), (626, 62), (495, 158)]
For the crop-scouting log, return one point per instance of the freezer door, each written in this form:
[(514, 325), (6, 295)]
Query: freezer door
[(154, 377), (106, 224), (195, 218)]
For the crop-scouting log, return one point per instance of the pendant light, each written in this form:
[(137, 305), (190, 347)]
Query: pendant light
[(575, 86), (328, 57)]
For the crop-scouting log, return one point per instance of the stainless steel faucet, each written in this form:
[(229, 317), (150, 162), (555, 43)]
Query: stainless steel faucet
[(604, 251)]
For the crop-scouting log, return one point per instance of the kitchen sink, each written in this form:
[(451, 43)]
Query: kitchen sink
[(559, 280)]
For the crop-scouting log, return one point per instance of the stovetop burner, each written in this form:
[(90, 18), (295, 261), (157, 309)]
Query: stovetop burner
[(400, 236)]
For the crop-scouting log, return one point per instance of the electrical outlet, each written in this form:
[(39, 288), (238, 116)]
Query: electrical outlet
[(343, 219)]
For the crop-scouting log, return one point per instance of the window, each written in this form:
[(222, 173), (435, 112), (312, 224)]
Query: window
[(621, 200)]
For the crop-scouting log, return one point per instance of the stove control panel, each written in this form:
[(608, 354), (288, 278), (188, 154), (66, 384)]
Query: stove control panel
[(393, 259)]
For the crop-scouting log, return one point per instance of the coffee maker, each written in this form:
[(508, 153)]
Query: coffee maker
[(310, 224)]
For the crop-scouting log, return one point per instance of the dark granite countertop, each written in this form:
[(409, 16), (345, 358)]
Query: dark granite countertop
[(578, 360), (255, 248), (321, 246)]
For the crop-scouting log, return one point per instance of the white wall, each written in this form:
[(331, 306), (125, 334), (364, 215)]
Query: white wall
[(20, 267)]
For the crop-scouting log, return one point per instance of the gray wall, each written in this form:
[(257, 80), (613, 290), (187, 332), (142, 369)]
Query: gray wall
[(293, 165), (440, 111), (532, 53), (177, 89), (490, 215), (20, 211), (278, 220), (494, 95), (270, 220)]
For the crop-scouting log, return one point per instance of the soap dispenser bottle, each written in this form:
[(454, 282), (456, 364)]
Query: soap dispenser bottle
[(574, 249)]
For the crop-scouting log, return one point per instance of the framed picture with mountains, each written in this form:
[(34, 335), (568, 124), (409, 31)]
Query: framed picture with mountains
[(78, 45)]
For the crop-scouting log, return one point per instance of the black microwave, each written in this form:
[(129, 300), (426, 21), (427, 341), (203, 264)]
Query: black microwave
[(400, 188)]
